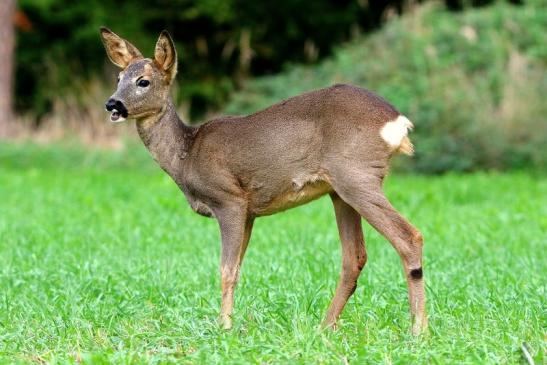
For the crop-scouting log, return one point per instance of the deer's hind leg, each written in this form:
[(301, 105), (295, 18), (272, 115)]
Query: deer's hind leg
[(354, 256), (364, 193)]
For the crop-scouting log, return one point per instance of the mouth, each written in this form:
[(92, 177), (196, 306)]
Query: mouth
[(116, 116)]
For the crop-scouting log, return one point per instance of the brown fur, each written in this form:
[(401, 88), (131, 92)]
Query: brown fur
[(238, 168)]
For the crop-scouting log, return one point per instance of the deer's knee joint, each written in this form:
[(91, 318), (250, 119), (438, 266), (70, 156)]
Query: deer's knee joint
[(229, 277), (416, 273), (353, 270)]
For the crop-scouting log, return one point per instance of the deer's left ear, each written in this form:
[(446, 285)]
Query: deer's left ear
[(165, 56), (120, 51)]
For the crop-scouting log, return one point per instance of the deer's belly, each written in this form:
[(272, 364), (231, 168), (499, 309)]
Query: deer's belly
[(296, 195)]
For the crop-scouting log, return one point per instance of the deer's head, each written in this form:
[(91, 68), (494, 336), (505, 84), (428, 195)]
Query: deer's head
[(143, 83)]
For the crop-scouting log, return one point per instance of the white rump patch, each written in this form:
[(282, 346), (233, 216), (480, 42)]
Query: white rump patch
[(394, 132)]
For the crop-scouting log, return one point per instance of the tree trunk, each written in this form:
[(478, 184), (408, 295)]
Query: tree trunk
[(7, 46)]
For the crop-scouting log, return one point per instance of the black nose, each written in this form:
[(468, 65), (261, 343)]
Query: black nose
[(112, 104)]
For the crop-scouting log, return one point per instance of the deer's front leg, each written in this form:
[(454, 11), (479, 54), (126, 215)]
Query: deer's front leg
[(235, 228)]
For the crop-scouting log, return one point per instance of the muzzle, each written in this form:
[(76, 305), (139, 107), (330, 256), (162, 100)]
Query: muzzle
[(117, 110)]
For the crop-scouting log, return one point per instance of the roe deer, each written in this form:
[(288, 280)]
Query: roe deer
[(335, 141)]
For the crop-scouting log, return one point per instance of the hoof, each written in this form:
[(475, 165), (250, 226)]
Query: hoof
[(329, 324), (225, 322), (419, 327)]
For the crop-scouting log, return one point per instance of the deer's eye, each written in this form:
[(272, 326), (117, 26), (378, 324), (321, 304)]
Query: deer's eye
[(143, 83), (118, 79)]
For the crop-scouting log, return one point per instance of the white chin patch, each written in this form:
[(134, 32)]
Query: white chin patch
[(116, 117)]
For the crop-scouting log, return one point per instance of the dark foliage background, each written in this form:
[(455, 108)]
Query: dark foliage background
[(220, 42), (470, 74)]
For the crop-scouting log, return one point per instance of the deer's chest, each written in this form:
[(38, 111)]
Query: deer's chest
[(198, 205), (194, 195), (201, 208)]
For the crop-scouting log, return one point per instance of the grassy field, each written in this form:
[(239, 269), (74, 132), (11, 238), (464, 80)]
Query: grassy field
[(102, 261)]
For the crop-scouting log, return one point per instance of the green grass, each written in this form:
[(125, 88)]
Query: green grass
[(101, 260)]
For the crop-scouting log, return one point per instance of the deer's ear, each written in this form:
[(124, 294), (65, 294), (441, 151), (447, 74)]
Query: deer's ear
[(120, 51), (165, 55)]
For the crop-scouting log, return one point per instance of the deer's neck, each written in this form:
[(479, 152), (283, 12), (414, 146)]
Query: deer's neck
[(167, 138)]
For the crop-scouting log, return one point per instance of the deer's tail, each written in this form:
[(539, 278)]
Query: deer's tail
[(395, 134)]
